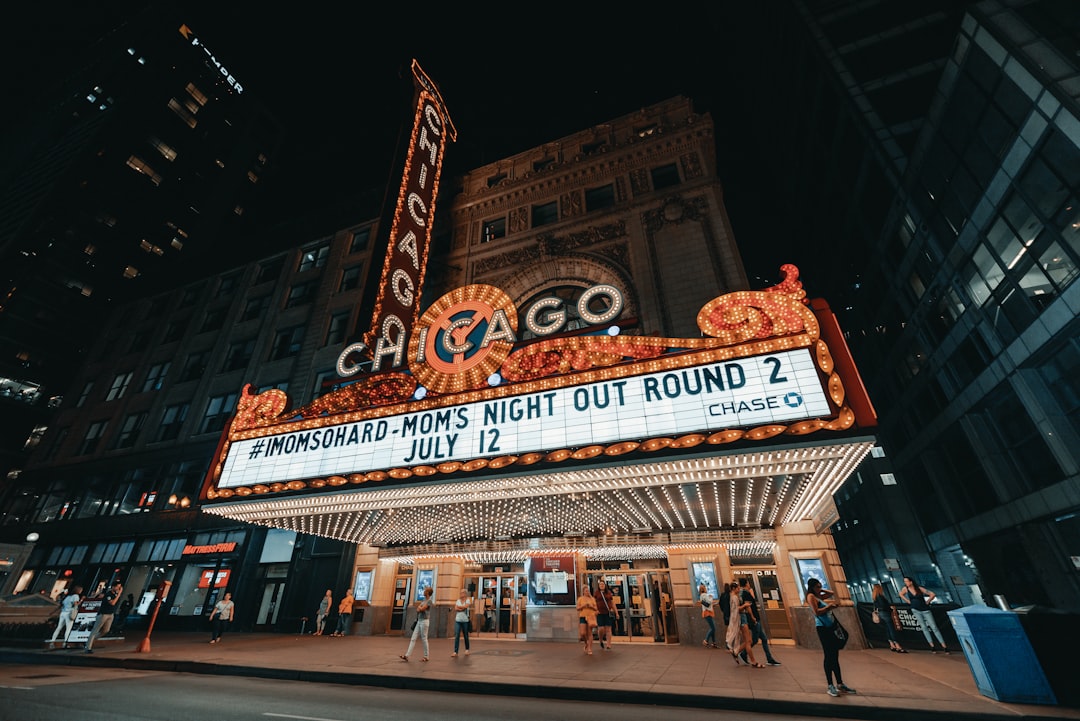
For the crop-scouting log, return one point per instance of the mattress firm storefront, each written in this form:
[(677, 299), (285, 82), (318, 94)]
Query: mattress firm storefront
[(525, 470)]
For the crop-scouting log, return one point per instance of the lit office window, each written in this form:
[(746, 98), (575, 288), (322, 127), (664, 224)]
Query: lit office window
[(314, 257), (136, 163), (493, 230), (183, 113)]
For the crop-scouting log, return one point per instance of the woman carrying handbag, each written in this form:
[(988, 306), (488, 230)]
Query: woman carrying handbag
[(819, 600)]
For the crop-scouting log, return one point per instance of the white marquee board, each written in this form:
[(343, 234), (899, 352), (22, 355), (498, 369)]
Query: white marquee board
[(775, 388)]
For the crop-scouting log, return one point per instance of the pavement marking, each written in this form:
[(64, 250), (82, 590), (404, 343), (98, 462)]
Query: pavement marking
[(19, 688), (302, 718)]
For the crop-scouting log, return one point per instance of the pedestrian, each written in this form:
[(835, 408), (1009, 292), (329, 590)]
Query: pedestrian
[(325, 605), (884, 610), (920, 600), (725, 609), (757, 630), (420, 628), (69, 609), (586, 608), (818, 600), (123, 612), (221, 617), (344, 614), (489, 609), (743, 648), (461, 620), (606, 611), (733, 635), (707, 613), (109, 601)]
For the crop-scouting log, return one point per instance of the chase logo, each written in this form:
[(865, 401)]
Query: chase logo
[(793, 400)]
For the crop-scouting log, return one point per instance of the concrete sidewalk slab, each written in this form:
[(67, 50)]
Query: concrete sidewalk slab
[(890, 686)]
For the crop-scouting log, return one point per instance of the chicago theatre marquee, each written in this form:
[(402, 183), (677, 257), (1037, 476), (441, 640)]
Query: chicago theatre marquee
[(484, 446), (480, 450)]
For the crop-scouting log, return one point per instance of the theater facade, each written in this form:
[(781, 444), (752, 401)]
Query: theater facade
[(524, 468)]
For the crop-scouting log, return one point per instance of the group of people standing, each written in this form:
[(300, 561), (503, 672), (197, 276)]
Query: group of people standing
[(344, 611), (69, 608), (742, 615), (596, 611)]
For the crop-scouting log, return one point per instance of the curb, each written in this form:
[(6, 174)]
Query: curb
[(494, 688)]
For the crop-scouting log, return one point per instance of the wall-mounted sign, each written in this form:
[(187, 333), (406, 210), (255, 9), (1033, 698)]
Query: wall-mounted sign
[(221, 581), (402, 279), (211, 60), (227, 547), (475, 397), (778, 387)]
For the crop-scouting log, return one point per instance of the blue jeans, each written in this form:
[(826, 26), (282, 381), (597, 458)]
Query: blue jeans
[(461, 627), (928, 625), (757, 633), (420, 632), (710, 637)]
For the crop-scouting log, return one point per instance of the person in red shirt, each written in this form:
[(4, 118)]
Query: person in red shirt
[(606, 612)]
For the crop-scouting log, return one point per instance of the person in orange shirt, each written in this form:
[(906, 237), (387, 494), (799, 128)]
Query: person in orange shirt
[(344, 614)]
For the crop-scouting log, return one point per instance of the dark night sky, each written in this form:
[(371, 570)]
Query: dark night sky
[(512, 77)]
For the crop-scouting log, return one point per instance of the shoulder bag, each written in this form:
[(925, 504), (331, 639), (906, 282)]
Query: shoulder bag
[(839, 632)]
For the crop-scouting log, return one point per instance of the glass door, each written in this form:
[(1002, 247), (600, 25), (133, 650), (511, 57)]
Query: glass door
[(498, 604), (643, 601), (659, 609), (402, 590)]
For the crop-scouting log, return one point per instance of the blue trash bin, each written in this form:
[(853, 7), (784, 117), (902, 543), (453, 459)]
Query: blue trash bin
[(1000, 655)]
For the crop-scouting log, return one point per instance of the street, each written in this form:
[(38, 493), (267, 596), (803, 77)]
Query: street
[(47, 693)]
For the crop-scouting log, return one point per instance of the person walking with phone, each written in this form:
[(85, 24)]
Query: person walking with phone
[(821, 604), (110, 599)]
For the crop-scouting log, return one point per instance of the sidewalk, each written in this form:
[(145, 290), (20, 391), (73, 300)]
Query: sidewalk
[(890, 685)]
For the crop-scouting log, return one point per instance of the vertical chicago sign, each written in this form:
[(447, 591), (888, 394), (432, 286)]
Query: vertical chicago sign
[(403, 269)]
